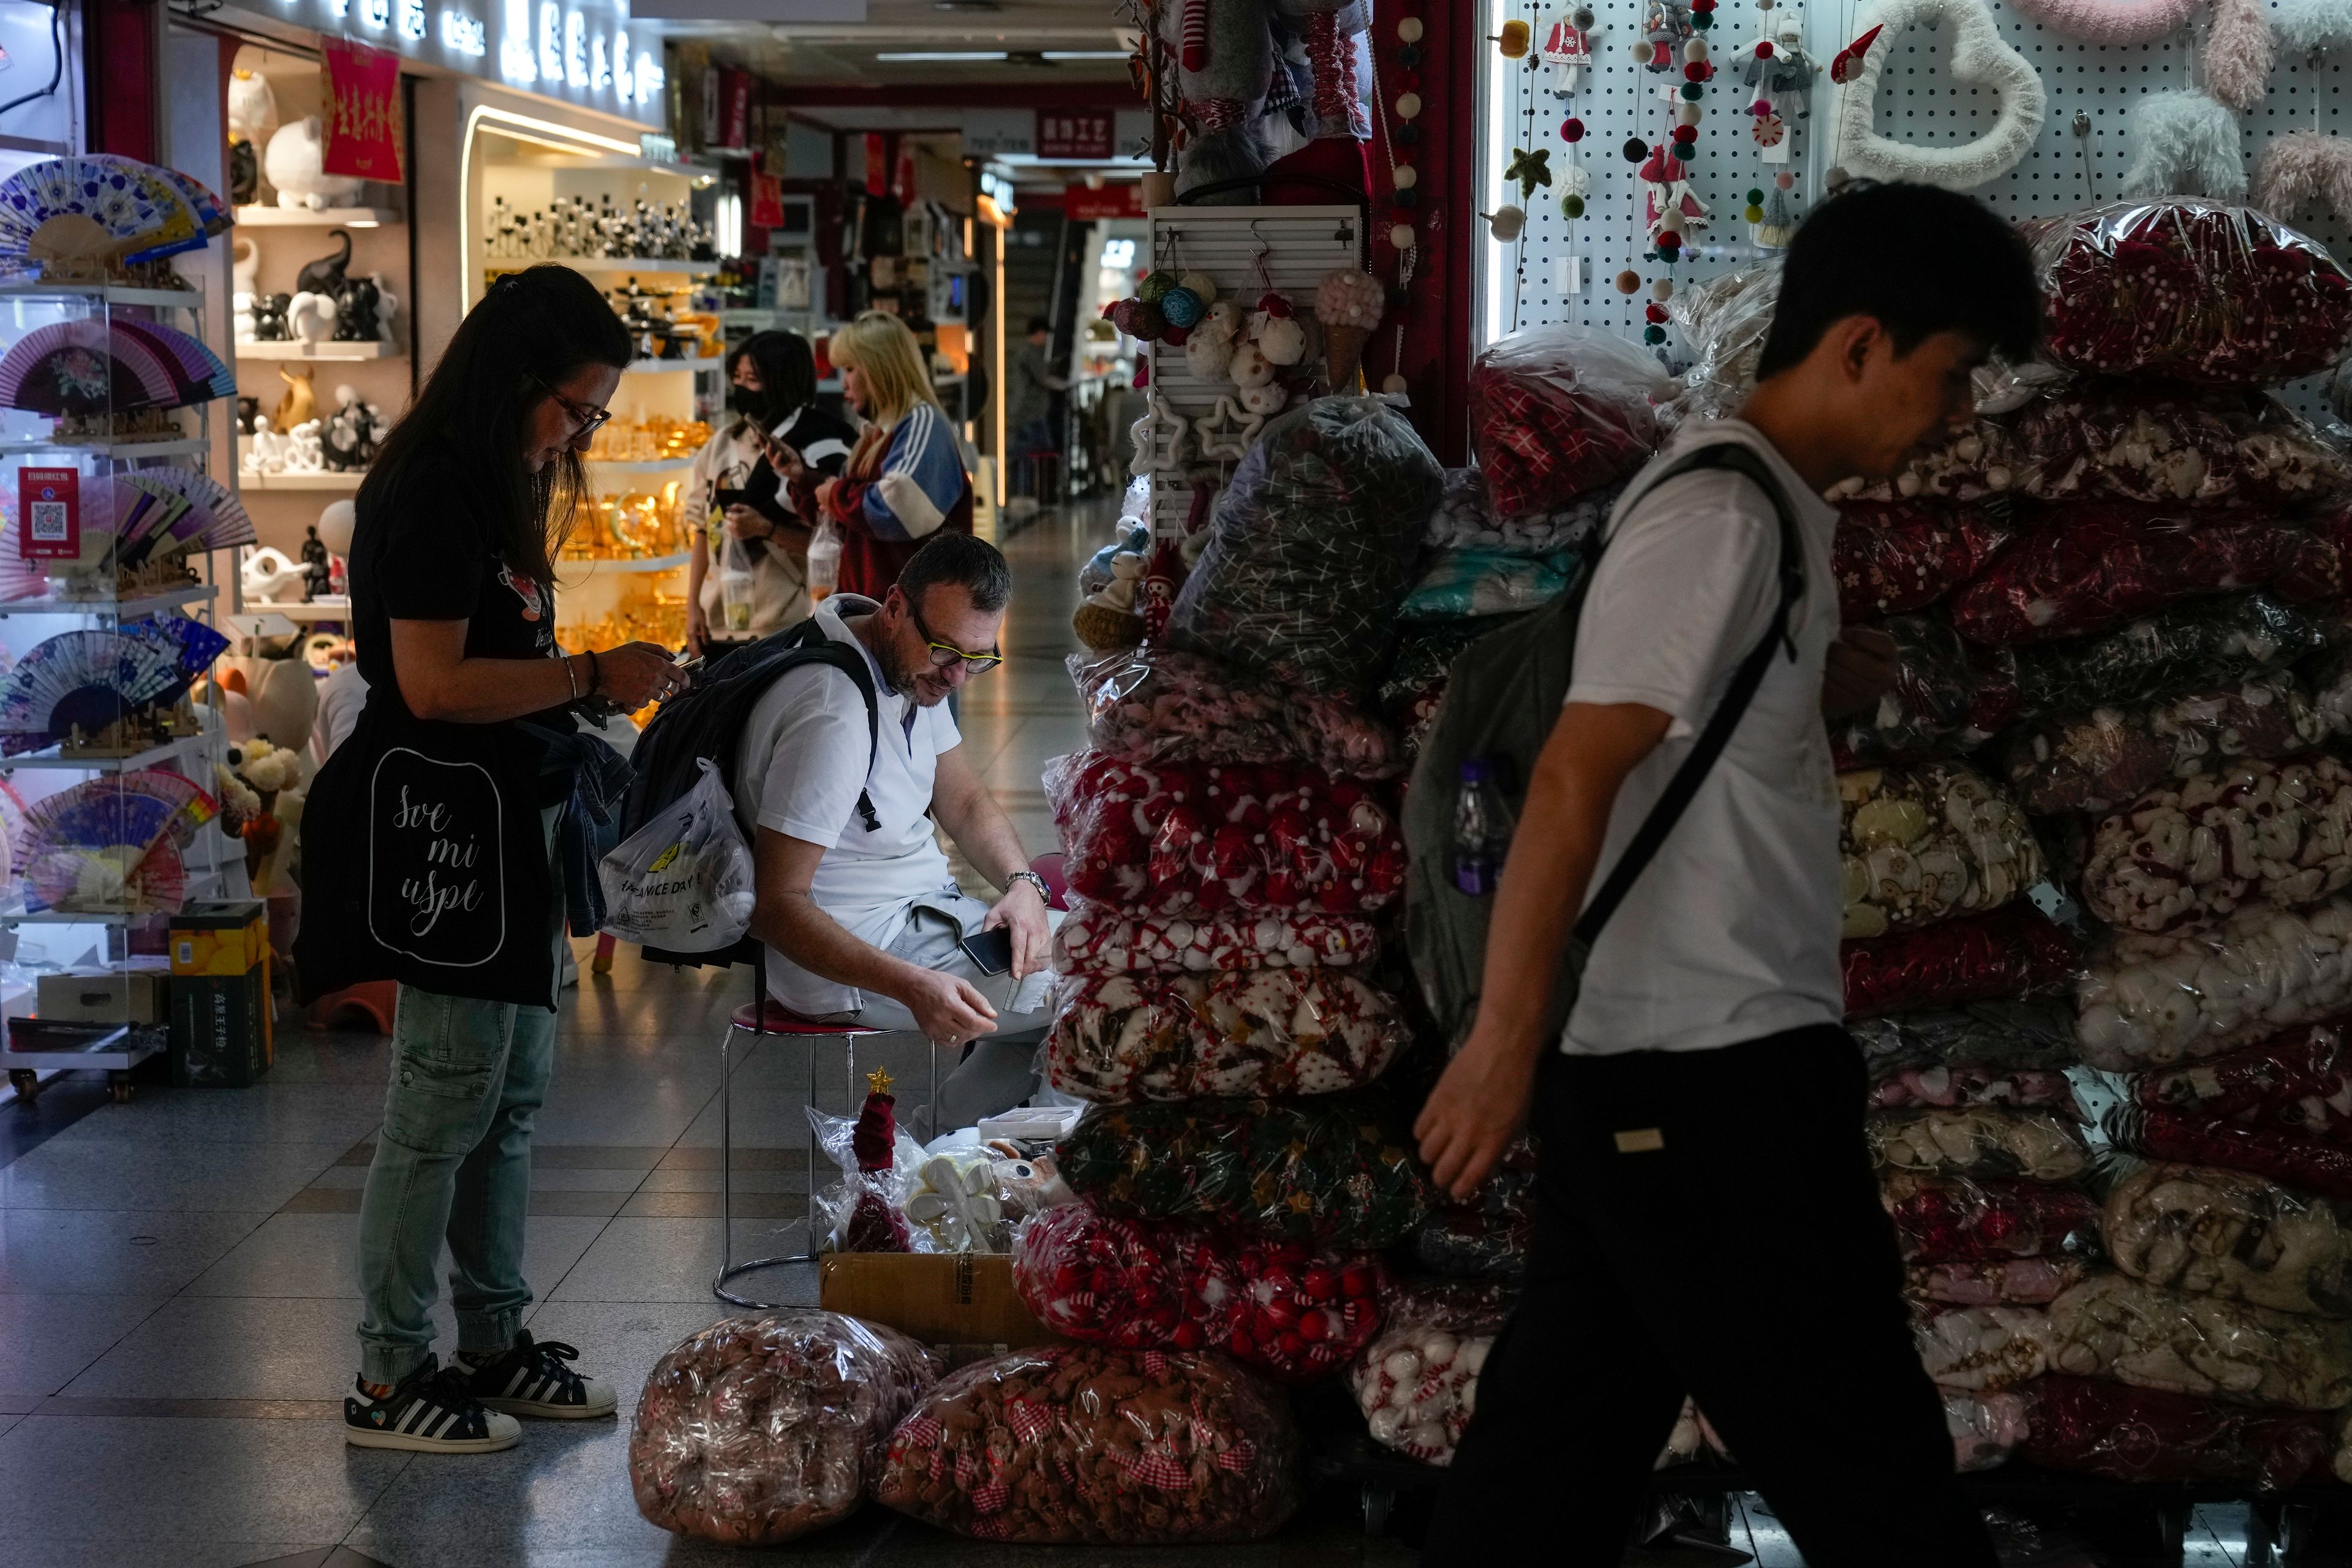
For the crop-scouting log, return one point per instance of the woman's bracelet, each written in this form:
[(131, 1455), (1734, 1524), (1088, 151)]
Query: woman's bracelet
[(570, 675), (595, 673)]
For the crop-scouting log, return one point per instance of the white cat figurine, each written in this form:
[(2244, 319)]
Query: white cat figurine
[(296, 165)]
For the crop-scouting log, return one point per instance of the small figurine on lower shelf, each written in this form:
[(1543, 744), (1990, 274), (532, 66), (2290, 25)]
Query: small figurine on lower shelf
[(315, 575), (348, 436)]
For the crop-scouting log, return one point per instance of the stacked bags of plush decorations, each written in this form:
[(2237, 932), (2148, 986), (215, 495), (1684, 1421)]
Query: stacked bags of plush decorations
[(1561, 416)]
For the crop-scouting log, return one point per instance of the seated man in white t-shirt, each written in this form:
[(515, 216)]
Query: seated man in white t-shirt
[(866, 924)]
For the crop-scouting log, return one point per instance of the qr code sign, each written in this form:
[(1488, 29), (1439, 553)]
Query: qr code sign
[(51, 521)]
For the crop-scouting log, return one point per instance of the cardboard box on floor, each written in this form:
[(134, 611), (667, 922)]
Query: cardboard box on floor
[(951, 1299)]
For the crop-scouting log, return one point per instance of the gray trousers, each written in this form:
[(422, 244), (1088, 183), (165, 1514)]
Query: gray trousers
[(998, 1071)]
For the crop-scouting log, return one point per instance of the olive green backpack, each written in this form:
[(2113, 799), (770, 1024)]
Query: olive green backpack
[(1502, 696)]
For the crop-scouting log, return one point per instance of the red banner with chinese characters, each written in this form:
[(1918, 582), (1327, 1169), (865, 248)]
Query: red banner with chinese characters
[(363, 120), (1074, 132), (48, 514), (767, 202), (1082, 204)]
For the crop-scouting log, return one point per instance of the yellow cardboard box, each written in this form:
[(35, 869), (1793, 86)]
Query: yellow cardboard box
[(227, 937), (939, 1299)]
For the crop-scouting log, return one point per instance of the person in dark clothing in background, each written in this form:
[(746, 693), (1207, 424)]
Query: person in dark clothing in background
[(1701, 1116), (1029, 415)]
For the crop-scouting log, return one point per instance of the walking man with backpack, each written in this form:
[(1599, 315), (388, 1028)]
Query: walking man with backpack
[(1708, 1222)]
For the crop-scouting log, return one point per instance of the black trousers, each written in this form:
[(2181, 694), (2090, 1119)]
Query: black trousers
[(1707, 1224)]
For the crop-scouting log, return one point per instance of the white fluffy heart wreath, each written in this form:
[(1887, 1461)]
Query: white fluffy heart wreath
[(1978, 58)]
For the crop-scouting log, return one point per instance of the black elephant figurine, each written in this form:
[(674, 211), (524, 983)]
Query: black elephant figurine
[(269, 324), (247, 407), (243, 174), (325, 276), (355, 312)]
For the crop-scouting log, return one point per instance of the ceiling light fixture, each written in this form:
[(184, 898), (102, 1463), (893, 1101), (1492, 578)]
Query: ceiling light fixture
[(931, 57), (1086, 54)]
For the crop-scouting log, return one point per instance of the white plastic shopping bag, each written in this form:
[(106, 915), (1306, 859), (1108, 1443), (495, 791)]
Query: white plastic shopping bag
[(683, 882)]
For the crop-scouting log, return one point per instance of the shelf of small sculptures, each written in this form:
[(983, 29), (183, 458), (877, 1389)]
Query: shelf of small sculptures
[(659, 367), (326, 607), (118, 609), (593, 565), (653, 265), (256, 215), (324, 349)]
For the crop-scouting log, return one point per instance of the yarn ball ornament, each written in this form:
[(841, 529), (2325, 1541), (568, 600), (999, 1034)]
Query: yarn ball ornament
[(1155, 285), (1669, 240), (1642, 51), (1693, 92), (1201, 286), (1628, 281), (1401, 236), (1979, 58), (1662, 289), (1763, 48), (1695, 49), (1571, 128), (1655, 314), (1346, 297), (1571, 207), (1405, 178), (1785, 181), (1408, 106), (1753, 212), (1138, 318), (1754, 197), (1654, 334), (1684, 136), (1635, 149), (1702, 20), (1181, 308), (1409, 30), (1696, 70)]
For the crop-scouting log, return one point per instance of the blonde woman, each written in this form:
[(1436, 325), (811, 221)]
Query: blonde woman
[(904, 480)]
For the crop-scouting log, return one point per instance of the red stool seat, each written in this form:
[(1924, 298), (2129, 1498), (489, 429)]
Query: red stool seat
[(777, 1021), (373, 999)]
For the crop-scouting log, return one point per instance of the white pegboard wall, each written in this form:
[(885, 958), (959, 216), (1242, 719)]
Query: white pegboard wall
[(1917, 102)]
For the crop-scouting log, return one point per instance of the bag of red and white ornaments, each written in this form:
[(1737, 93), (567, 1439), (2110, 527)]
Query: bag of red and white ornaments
[(1288, 1309), (1097, 939), (1894, 557), (1265, 1032), (1180, 839), (1558, 411)]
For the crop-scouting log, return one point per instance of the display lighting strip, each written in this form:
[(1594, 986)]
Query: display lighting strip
[(519, 128)]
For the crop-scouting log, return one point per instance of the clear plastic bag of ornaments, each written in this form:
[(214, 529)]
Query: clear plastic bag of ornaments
[(2092, 1426), (1948, 698), (2012, 952), (2189, 647), (1895, 557), (1173, 838), (2307, 1165), (2179, 1341), (1926, 843), (2183, 288), (1084, 1443), (1960, 1219), (1100, 939), (2298, 1083), (2149, 1000), (1155, 704), (1275, 1033), (2101, 758), (1465, 519), (2232, 1234), (2039, 1145), (2000, 1052), (1334, 1169), (2194, 851), (757, 1431), (1458, 584), (1557, 412), (1286, 1309), (1313, 547), (2097, 565), (1724, 322)]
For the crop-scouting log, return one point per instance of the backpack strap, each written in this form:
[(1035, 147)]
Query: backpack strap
[(1681, 789), (840, 656)]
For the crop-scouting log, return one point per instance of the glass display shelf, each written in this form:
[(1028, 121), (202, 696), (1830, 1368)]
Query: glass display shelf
[(325, 350), (113, 609), (127, 451), (111, 293), (83, 763)]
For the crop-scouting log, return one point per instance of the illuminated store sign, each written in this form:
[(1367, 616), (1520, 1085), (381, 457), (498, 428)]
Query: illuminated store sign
[(586, 52)]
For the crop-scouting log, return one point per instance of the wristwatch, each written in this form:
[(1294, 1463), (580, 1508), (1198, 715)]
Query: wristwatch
[(1044, 894)]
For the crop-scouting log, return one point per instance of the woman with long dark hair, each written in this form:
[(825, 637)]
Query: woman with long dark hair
[(739, 491), (440, 868)]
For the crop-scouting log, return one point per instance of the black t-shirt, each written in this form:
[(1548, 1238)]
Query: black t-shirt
[(427, 552)]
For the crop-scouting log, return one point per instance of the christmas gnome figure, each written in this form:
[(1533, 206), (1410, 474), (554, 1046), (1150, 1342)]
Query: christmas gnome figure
[(1225, 64), (1666, 27), (1782, 72), (1568, 49), (1667, 201), (875, 1224)]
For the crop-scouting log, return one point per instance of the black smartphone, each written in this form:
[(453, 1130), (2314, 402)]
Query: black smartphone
[(991, 949)]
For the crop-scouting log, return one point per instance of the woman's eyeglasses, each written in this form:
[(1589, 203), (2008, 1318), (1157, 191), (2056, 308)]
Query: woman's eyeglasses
[(944, 654), (588, 419)]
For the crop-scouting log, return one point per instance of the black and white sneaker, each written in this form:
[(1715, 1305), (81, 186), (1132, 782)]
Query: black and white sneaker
[(535, 1378), (431, 1412)]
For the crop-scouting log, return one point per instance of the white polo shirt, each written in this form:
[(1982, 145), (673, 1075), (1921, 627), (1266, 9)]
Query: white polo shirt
[(802, 764), (1731, 932)]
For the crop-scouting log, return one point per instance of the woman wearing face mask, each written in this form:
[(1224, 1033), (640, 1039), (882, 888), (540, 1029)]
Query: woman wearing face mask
[(739, 487), (442, 873), (906, 481)]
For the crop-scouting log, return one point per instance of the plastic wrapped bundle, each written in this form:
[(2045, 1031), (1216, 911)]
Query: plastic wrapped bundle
[(2299, 1083), (2305, 1163), (1724, 322), (1894, 557), (1976, 1084), (1926, 843), (2097, 760), (1948, 698), (1979, 1140), (2010, 952), (1466, 519), (1466, 1305), (1985, 1428), (1491, 1234), (2187, 647), (2001, 1037), (1275, 1032), (1557, 412), (1995, 1282), (1417, 1386), (2187, 854), (1416, 681), (1079, 1443), (2101, 563), (757, 1431), (1098, 939), (1983, 1350), (1956, 1220), (2230, 1234), (1334, 1169), (2187, 290), (1313, 546), (2153, 1000), (2111, 441), (1457, 585), (2099, 1428), (1280, 1307), (2115, 1326), (1177, 839), (1153, 704)]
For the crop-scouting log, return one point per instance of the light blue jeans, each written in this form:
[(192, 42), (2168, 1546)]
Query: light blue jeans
[(452, 1162)]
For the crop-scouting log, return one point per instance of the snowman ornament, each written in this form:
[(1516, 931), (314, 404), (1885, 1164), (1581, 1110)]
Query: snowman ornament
[(1782, 72)]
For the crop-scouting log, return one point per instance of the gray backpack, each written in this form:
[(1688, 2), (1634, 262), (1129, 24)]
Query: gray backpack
[(1502, 700)]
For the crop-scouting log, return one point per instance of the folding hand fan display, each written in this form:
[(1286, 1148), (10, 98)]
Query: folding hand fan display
[(200, 374), (19, 578), (98, 847), (80, 368), (191, 807), (211, 213), (94, 209), (87, 679)]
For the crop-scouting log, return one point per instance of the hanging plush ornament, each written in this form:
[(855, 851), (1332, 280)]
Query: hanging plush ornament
[(1779, 224), (1668, 202), (1568, 49), (1209, 351), (1336, 95), (1250, 366), (1222, 93), (2186, 143), (1276, 332), (2300, 166), (1506, 224), (1782, 72), (1666, 24), (1349, 303), (1513, 40), (1529, 170), (1155, 285), (1200, 285), (1138, 318)]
